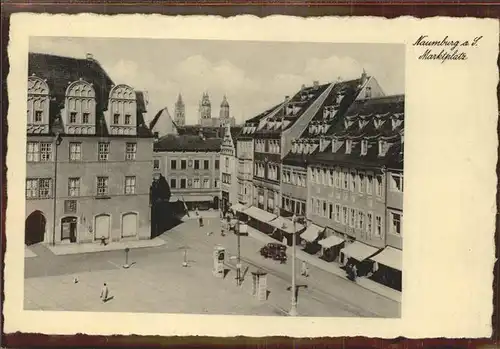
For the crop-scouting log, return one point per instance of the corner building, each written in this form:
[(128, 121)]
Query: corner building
[(89, 155)]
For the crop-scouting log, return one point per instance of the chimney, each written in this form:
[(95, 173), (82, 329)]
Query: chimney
[(316, 84), (363, 77), (89, 56)]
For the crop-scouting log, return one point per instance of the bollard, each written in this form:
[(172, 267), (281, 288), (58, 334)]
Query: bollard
[(126, 265)]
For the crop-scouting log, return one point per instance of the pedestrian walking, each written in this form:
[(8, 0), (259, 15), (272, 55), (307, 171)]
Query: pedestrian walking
[(222, 233), (304, 270), (104, 293)]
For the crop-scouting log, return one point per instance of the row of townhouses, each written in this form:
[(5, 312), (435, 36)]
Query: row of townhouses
[(332, 154)]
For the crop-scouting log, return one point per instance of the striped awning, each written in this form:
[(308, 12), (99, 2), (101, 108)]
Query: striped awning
[(286, 225), (390, 257), (312, 232), (331, 241), (259, 214)]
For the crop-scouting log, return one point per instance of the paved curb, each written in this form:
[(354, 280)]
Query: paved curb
[(61, 250), (332, 269)]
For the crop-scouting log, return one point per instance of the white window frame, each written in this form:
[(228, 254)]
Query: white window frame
[(130, 185), (75, 151), (364, 147), (393, 225), (345, 215), (196, 183), (33, 152), (130, 151), (74, 186), (103, 151), (394, 187), (352, 217), (379, 226), (102, 186), (369, 223), (337, 213), (206, 183), (379, 186)]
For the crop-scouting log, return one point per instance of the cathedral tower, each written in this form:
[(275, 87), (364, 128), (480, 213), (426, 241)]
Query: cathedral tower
[(224, 109), (205, 110), (180, 112)]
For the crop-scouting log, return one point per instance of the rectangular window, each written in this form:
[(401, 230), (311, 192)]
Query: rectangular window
[(378, 225), (85, 118), (337, 213), (345, 218), (130, 185), (353, 181), (45, 151), (369, 183), (74, 187), (361, 182), (323, 211), (39, 188), (217, 184), (102, 186), (128, 118), (183, 183), (196, 164), (337, 178), (369, 223), (379, 185), (103, 151), (38, 116), (173, 164), (156, 164), (330, 178), (397, 182), (206, 183), (183, 164), (396, 223), (173, 183), (75, 151), (196, 183), (69, 206), (130, 151), (216, 164), (361, 220), (72, 117), (33, 152), (116, 119), (352, 218), (32, 188), (348, 146), (313, 175), (330, 211), (206, 164), (364, 147), (345, 180)]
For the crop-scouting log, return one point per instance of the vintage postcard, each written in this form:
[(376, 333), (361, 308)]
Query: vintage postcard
[(246, 176)]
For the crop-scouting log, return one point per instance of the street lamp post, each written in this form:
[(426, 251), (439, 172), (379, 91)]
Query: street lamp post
[(293, 310), (58, 140)]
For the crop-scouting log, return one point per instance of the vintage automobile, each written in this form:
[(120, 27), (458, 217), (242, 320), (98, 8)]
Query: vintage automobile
[(275, 251)]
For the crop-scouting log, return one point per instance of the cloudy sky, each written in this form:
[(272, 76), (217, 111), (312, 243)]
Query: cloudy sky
[(253, 75)]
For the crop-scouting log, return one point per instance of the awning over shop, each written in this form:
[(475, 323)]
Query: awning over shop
[(390, 257), (286, 225), (259, 214), (330, 241), (237, 207), (359, 251), (312, 232)]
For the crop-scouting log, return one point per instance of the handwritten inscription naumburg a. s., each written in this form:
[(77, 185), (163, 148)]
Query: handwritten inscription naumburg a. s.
[(446, 49)]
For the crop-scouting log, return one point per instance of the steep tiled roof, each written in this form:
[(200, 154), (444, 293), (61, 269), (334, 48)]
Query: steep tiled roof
[(59, 72), (301, 101), (207, 131), (371, 121), (235, 131), (187, 143)]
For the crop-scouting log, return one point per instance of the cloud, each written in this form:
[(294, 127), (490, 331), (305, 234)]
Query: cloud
[(329, 69)]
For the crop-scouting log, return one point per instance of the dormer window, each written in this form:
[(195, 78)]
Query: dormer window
[(306, 149), (127, 119), (116, 119), (38, 116), (381, 147), (301, 147), (72, 117), (348, 146), (364, 147), (294, 147), (339, 98), (378, 123), (80, 105), (395, 123), (85, 118), (368, 93)]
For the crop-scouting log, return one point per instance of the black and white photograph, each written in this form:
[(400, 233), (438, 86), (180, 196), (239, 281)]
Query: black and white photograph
[(214, 177)]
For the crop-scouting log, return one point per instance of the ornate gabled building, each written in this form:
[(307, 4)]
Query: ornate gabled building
[(229, 161), (89, 154), (355, 186)]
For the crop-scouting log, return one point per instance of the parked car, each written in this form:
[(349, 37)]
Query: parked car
[(274, 251)]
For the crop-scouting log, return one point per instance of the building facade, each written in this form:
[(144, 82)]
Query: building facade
[(293, 183), (228, 163), (191, 165), (89, 155)]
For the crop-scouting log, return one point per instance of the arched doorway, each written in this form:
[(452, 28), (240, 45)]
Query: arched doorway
[(34, 229), (68, 228), (216, 202), (129, 224), (102, 226)]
